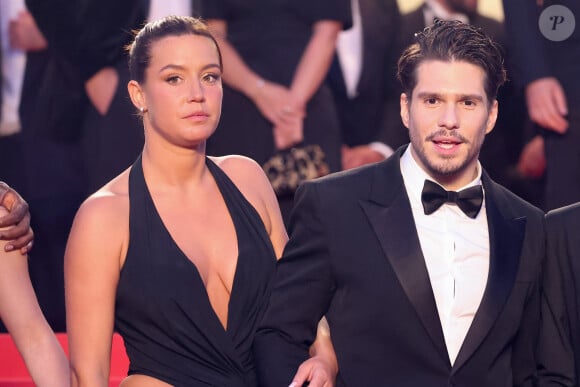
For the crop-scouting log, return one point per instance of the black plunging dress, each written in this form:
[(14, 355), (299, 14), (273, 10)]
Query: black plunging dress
[(163, 313)]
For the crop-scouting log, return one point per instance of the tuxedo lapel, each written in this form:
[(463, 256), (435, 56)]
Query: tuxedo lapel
[(389, 212), (506, 235)]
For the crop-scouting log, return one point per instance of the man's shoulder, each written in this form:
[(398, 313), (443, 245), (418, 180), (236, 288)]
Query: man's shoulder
[(565, 215), (509, 201), (353, 179)]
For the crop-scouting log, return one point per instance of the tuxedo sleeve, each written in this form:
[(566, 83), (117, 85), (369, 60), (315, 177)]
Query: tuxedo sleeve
[(555, 353), (302, 289)]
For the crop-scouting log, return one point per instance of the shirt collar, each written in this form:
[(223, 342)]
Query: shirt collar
[(414, 176)]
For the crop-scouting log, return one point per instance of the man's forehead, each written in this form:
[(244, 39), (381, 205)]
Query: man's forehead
[(459, 75)]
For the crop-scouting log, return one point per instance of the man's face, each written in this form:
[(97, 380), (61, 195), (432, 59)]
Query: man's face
[(448, 116), (468, 7)]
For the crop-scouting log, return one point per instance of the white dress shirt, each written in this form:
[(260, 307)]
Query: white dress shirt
[(456, 251), (349, 48), (13, 63)]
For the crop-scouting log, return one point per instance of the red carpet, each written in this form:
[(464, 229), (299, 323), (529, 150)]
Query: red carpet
[(13, 372)]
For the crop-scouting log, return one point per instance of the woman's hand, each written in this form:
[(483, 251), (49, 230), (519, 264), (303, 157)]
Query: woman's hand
[(19, 232), (283, 110), (101, 88), (276, 103), (289, 132), (317, 371), (322, 367), (24, 34)]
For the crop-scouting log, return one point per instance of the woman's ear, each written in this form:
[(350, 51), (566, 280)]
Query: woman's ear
[(137, 96)]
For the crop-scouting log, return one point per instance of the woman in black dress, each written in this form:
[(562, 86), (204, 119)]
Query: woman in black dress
[(176, 253)]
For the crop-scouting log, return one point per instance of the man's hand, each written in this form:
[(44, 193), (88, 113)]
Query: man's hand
[(18, 232), (532, 161), (359, 155), (547, 104)]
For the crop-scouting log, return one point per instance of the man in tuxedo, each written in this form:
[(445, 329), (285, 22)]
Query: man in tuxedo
[(562, 276), (420, 287), (501, 154), (360, 81)]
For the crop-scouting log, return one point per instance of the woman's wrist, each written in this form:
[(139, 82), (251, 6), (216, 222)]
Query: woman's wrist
[(255, 87)]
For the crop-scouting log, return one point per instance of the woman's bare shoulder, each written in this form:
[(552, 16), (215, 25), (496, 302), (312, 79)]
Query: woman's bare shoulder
[(246, 174), (107, 206), (252, 182)]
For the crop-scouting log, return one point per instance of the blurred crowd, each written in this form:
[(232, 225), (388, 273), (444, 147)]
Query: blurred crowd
[(67, 125)]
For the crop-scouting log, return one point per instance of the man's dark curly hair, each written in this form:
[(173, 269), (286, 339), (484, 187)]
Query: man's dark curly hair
[(453, 41)]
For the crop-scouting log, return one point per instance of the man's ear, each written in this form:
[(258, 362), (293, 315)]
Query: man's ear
[(136, 94), (492, 116), (405, 109)]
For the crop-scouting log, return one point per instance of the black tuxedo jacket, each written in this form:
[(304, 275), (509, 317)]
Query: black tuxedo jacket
[(361, 117), (354, 256), (562, 291)]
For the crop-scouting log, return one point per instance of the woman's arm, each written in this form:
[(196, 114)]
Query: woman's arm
[(315, 62), (92, 266), (308, 77), (321, 369), (269, 97), (20, 312)]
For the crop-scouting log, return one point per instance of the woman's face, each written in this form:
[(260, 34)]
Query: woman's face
[(182, 91)]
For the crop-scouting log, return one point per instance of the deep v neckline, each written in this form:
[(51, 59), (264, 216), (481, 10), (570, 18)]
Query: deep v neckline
[(190, 262)]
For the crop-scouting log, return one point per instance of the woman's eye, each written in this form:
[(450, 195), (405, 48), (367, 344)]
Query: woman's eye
[(173, 79), (211, 78)]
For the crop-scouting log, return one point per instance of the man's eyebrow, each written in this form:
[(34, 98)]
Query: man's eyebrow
[(461, 97)]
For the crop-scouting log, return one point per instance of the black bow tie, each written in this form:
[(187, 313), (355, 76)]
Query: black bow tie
[(468, 200)]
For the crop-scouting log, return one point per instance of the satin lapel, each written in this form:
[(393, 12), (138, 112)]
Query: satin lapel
[(389, 213), (506, 235)]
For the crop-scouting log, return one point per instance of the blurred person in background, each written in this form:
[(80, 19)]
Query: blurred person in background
[(360, 82), (544, 42), (276, 58)]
